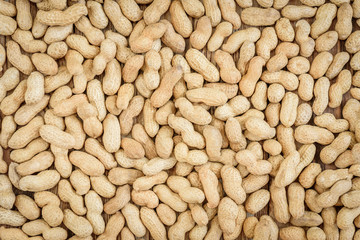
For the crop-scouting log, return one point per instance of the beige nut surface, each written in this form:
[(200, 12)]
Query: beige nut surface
[(179, 119)]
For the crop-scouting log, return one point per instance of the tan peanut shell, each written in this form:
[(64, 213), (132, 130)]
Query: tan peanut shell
[(180, 119)]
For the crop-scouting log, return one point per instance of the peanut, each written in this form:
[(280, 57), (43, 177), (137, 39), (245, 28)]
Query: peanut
[(42, 181), (321, 90), (184, 224), (187, 144), (223, 30), (212, 10), (266, 228), (180, 20), (330, 197), (247, 52), (228, 71), (228, 12), (120, 199), (324, 16), (204, 95), (38, 163), (199, 63), (144, 42), (8, 199), (8, 9), (267, 42), (17, 59), (254, 16), (288, 109), (257, 201), (67, 194), (27, 42), (162, 93), (238, 38), (94, 169), (77, 224), (114, 226), (92, 33), (94, 205), (61, 18), (80, 181), (152, 16), (152, 223)]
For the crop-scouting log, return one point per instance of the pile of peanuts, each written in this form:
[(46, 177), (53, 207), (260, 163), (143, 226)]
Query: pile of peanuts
[(155, 127)]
